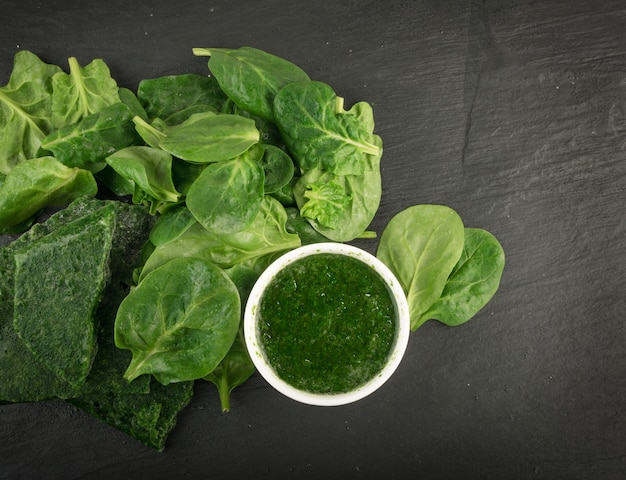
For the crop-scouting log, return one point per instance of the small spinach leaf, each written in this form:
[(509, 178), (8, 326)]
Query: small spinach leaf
[(227, 195), (364, 194), (473, 281), (325, 202), (179, 322), (150, 169), (421, 245), (171, 224), (251, 77)]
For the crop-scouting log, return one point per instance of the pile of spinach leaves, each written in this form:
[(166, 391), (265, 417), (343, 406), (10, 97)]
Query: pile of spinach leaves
[(234, 168)]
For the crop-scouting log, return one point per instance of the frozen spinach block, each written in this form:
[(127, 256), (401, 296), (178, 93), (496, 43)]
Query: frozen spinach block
[(59, 281)]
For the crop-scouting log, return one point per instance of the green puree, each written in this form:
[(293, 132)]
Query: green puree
[(327, 323)]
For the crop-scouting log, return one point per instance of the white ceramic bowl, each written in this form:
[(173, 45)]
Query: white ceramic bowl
[(255, 348)]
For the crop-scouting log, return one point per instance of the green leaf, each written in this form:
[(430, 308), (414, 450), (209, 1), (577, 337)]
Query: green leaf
[(38, 183), (421, 245), (227, 195), (25, 109), (171, 224), (320, 134), (265, 237), (82, 92), (150, 169), (209, 137), (325, 202), (251, 77), (179, 322), (364, 194), (473, 281), (165, 96), (92, 139)]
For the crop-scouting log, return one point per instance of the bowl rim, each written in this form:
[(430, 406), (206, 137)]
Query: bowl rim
[(255, 349)]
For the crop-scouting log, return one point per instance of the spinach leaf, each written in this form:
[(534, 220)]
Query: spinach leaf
[(362, 191), (251, 77), (264, 237), (421, 245), (227, 195), (325, 202), (92, 139), (166, 96), (203, 138), (41, 182), (473, 281), (150, 170), (299, 225), (82, 92), (278, 168), (179, 322), (320, 134), (25, 109)]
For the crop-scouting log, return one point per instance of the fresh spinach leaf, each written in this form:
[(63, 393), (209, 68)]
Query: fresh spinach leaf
[(473, 281), (227, 195), (179, 322), (89, 141), (421, 245), (25, 109), (82, 92), (203, 138), (363, 192), (325, 202), (320, 134), (251, 77), (150, 170), (41, 182)]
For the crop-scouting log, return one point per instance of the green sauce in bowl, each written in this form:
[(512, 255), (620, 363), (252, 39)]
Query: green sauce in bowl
[(327, 323)]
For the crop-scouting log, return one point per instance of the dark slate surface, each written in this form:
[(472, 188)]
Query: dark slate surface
[(511, 112)]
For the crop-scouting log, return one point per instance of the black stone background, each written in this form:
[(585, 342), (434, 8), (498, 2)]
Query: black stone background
[(511, 112)]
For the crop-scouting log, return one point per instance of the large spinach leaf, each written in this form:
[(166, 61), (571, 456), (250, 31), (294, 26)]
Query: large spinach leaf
[(179, 322), (421, 245), (227, 195), (321, 134), (251, 77), (473, 281), (25, 109)]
